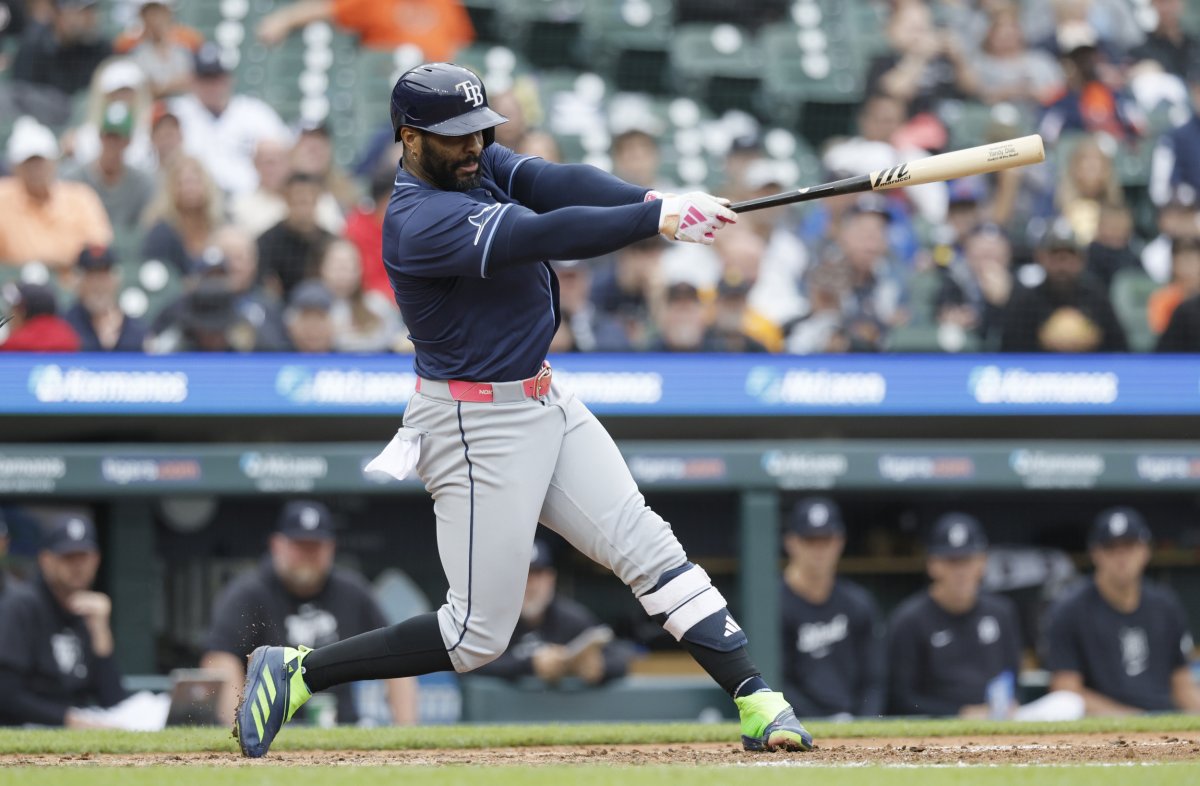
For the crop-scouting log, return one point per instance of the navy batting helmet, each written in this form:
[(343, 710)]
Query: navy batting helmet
[(445, 99)]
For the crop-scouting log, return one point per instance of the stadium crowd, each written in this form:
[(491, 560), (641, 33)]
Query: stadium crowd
[(166, 179)]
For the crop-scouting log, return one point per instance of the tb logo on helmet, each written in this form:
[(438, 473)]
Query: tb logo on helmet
[(472, 91)]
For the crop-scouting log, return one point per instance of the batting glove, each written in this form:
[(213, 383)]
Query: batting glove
[(694, 217)]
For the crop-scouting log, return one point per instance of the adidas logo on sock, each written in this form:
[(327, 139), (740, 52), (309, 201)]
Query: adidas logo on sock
[(731, 627)]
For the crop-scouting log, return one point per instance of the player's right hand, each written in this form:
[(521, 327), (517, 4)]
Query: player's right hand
[(694, 217)]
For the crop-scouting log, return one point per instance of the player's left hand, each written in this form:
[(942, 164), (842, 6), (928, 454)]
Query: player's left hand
[(694, 217)]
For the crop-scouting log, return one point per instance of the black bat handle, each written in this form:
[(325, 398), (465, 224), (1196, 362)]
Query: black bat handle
[(850, 185)]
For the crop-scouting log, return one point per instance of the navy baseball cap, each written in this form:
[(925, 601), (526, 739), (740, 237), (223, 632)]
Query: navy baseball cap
[(816, 517), (1119, 524), (311, 295), (541, 558), (70, 533), (93, 258), (957, 535), (208, 61), (306, 520)]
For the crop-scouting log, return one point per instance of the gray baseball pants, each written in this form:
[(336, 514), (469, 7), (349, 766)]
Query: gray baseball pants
[(495, 470)]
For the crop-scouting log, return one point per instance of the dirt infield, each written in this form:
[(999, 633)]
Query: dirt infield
[(978, 750)]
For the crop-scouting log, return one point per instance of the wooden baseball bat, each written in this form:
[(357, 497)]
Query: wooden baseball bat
[(947, 166)]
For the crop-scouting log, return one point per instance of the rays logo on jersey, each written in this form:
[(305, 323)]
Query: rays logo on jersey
[(472, 92), (311, 626), (480, 220), (68, 654), (815, 639), (1135, 650)]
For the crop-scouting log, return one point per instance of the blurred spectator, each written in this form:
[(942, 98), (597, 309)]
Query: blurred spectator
[(1168, 44), (57, 656), (362, 321), (775, 292), (96, 316), (117, 79), (161, 47), (313, 155), (948, 643), (589, 330), (1068, 311), (1176, 158), (926, 64), (625, 288), (1120, 640), (976, 286), (510, 103), (124, 190), (45, 219), (556, 637), (879, 119), (166, 136), (968, 202), (257, 308), (834, 648), (731, 314), (821, 221), (1178, 218), (309, 318), (821, 329), (207, 320), (542, 144), (439, 27), (682, 323), (1087, 102), (63, 52), (876, 296), (364, 228), (1086, 184), (1014, 71), (183, 216), (1185, 284), (636, 159), (1183, 331), (221, 128), (258, 210), (299, 596), (1111, 251), (34, 325), (290, 251)]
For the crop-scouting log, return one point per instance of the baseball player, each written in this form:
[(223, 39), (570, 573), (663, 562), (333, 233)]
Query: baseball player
[(467, 240)]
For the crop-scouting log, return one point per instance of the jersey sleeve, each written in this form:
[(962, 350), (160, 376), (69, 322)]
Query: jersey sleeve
[(504, 164), (1179, 637), (1060, 646), (451, 235), (871, 641), (236, 617), (16, 632), (544, 186)]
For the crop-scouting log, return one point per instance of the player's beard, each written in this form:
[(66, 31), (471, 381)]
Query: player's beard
[(442, 171)]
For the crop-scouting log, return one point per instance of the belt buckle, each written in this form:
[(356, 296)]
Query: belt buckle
[(542, 378)]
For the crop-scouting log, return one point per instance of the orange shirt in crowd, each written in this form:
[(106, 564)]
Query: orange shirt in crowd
[(54, 231), (184, 36), (439, 27), (1162, 305)]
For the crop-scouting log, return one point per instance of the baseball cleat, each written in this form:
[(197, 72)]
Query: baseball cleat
[(274, 690), (769, 724)]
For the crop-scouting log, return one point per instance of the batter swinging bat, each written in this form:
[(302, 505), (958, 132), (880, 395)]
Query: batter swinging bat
[(947, 166)]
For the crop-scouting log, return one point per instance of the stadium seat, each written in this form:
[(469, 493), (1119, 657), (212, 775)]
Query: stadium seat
[(629, 41), (923, 289), (548, 32), (814, 88), (720, 63), (485, 18), (1130, 292)]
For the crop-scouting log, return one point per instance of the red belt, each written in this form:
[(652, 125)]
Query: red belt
[(481, 392)]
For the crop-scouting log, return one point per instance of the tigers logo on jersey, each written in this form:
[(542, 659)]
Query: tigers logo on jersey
[(815, 639), (1135, 650), (472, 92), (68, 654)]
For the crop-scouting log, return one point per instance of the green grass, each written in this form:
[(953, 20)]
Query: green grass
[(1159, 775), (195, 740)]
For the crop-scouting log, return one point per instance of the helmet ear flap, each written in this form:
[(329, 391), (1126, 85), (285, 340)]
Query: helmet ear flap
[(489, 136)]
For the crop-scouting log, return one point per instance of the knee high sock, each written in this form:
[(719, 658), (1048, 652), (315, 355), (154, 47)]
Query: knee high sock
[(407, 649), (733, 671)]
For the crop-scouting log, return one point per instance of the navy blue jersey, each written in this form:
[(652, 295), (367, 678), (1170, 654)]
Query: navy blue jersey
[(834, 653), (1127, 657), (470, 270), (941, 662)]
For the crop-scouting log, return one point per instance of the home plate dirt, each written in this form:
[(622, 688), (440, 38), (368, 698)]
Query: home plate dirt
[(1103, 748)]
